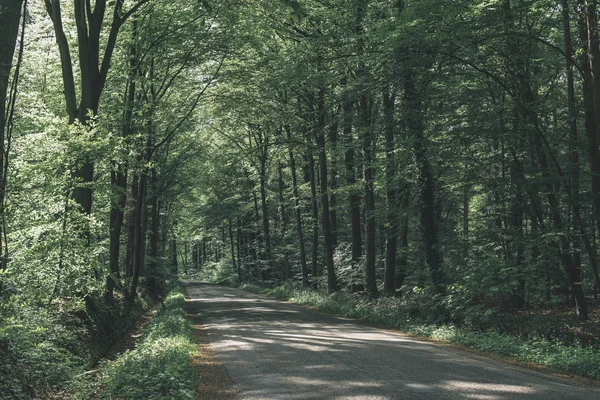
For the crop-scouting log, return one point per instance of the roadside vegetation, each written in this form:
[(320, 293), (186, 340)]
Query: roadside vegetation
[(539, 340), (431, 165), (158, 367), (550, 338)]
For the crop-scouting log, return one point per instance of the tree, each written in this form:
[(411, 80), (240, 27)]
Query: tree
[(10, 18), (94, 64)]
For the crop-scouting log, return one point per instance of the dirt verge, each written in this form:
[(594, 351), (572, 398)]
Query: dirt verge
[(214, 383)]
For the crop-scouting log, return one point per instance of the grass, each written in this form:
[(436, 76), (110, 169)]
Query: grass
[(158, 367), (409, 317)]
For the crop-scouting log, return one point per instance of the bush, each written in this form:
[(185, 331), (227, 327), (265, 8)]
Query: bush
[(158, 367), (40, 349)]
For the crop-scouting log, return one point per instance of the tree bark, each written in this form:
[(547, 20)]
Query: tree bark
[(297, 211), (266, 230), (94, 64), (10, 17), (327, 232), (232, 246), (368, 152), (154, 232), (315, 220), (416, 128), (354, 203), (391, 240), (333, 182)]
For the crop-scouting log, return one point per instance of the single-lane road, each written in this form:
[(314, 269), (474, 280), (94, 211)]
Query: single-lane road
[(280, 351)]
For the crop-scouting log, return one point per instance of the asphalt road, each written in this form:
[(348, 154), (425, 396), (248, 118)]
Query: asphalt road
[(275, 350)]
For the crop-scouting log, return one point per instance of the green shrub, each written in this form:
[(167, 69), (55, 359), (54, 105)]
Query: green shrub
[(158, 367), (39, 351)]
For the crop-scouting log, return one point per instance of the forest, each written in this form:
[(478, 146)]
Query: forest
[(440, 158)]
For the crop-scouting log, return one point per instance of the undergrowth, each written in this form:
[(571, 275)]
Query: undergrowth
[(158, 367), (43, 346), (419, 319)]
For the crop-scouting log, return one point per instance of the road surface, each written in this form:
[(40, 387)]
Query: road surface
[(275, 350)]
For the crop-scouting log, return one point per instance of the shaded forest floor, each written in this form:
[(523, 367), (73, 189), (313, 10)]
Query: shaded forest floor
[(131, 338)]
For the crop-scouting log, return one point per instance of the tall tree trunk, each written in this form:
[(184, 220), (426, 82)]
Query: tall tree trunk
[(117, 212), (265, 214), (402, 259), (174, 264), (155, 222), (239, 247), (258, 238), (354, 203), (368, 152), (391, 240), (524, 98), (119, 175), (10, 17), (232, 246), (333, 139), (283, 222), (315, 220), (416, 128), (297, 211), (131, 224), (327, 233), (588, 30), (139, 237), (94, 64)]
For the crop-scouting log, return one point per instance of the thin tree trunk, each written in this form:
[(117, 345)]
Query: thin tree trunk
[(391, 243), (354, 203), (10, 17), (368, 151), (402, 259), (333, 139), (588, 29), (139, 237), (117, 212), (154, 232), (232, 246), (238, 248), (131, 224), (327, 233), (416, 128), (298, 212), (315, 220), (283, 220)]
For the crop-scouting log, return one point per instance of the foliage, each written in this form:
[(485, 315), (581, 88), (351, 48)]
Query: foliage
[(41, 350), (158, 367)]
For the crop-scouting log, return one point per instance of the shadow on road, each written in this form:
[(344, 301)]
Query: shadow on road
[(275, 350)]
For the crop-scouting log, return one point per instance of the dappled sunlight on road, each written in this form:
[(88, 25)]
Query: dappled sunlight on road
[(275, 350)]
